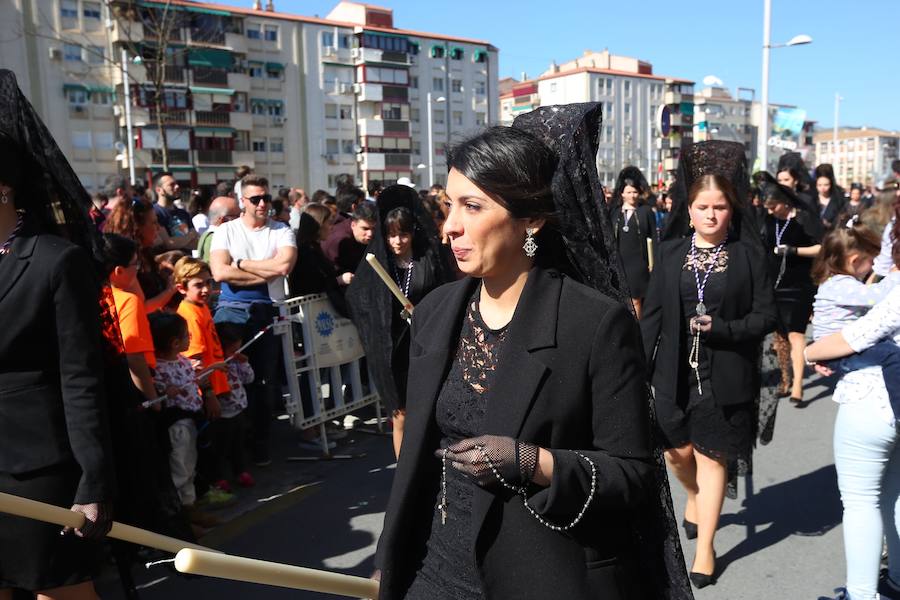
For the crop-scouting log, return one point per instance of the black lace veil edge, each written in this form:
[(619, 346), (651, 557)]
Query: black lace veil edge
[(52, 199), (634, 174), (372, 306), (571, 132)]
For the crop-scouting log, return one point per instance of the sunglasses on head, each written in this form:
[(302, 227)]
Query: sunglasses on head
[(255, 200)]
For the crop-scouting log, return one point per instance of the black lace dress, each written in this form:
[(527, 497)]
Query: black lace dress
[(722, 432), (448, 571)]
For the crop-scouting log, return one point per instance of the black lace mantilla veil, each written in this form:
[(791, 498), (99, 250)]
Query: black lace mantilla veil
[(634, 174), (372, 306), (572, 131), (48, 190)]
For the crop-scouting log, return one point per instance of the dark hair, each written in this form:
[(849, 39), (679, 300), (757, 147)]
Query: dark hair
[(311, 219), (399, 220), (254, 179), (374, 188), (329, 200), (118, 251), (318, 197), (366, 211), (166, 327), (342, 182), (113, 183), (895, 165), (825, 170), (278, 206), (839, 243), (229, 333), (157, 179), (284, 193), (793, 172), (224, 188), (516, 170), (242, 171), (199, 203), (347, 197)]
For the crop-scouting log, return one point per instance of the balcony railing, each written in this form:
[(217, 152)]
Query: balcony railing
[(392, 93), (214, 156), (171, 74), (169, 117), (396, 127), (396, 160), (209, 76), (206, 117), (176, 157), (208, 36)]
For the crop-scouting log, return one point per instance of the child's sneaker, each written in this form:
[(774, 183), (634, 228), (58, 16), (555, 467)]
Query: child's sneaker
[(223, 485), (216, 498), (246, 480)]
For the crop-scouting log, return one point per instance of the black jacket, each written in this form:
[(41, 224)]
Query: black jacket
[(570, 376), (52, 404), (746, 315)]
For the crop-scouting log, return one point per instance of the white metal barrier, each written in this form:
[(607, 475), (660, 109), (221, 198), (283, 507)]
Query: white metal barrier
[(315, 339)]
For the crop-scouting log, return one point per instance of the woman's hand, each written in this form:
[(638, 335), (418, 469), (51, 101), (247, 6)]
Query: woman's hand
[(701, 324), (97, 520), (492, 460)]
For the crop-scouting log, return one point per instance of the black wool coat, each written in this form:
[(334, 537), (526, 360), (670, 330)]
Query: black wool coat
[(52, 401), (746, 314), (571, 376)]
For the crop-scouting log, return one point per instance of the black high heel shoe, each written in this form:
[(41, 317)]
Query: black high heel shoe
[(690, 529), (701, 580)]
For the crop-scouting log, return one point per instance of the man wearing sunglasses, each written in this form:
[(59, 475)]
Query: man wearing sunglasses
[(251, 257)]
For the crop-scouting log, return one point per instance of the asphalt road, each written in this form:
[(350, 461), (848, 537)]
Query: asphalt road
[(781, 538)]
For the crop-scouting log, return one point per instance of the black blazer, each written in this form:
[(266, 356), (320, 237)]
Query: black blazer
[(52, 404), (746, 314), (570, 376)]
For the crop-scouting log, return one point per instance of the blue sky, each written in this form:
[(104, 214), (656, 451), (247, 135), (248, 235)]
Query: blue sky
[(856, 50)]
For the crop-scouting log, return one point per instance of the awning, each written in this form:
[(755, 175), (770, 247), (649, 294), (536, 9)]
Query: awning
[(193, 9), (274, 66), (210, 57), (479, 56), (101, 89), (74, 86), (196, 89)]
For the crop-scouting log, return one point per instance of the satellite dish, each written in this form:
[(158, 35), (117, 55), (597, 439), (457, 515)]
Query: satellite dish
[(712, 80)]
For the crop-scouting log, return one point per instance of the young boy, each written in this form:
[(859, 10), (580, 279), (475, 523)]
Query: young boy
[(193, 281)]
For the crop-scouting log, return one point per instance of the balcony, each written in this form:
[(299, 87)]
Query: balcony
[(208, 37), (236, 42), (239, 82), (79, 111), (169, 117), (395, 93), (206, 76), (126, 31), (364, 55), (243, 157), (240, 120), (214, 157), (206, 117), (672, 98), (369, 92), (171, 74), (176, 157), (378, 161), (383, 127)]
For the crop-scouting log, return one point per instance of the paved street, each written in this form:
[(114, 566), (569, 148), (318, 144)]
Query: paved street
[(780, 540)]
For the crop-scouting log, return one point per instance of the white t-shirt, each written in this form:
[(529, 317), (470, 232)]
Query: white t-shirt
[(255, 244)]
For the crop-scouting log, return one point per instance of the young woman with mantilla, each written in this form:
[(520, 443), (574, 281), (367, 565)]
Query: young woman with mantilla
[(528, 470), (708, 307), (635, 227), (408, 245), (54, 438)]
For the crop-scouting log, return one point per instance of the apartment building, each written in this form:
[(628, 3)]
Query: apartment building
[(632, 97), (211, 87), (861, 155)]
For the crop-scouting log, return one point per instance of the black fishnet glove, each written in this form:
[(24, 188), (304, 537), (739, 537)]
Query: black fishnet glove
[(514, 460), (97, 520)]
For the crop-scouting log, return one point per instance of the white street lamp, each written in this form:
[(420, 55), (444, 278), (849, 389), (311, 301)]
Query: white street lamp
[(797, 40), (128, 131), (431, 136)]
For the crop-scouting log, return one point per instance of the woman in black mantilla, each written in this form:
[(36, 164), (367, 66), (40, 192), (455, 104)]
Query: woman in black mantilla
[(54, 438), (830, 196), (792, 236), (418, 267), (635, 225), (528, 467), (709, 306)]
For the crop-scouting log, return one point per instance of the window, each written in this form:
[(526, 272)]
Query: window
[(387, 75), (391, 112), (276, 109), (101, 98), (439, 117), (480, 88), (608, 112), (81, 140), (417, 148), (255, 69), (456, 86), (479, 56), (239, 104), (437, 52), (271, 33), (553, 86), (254, 31), (72, 52), (479, 118), (414, 82), (96, 55), (259, 144), (413, 48), (437, 84), (414, 115), (274, 71), (68, 9), (610, 134), (345, 41), (345, 112), (626, 86), (331, 111), (76, 97), (331, 147), (456, 53), (258, 107), (457, 117), (627, 110), (103, 140), (626, 132), (327, 39), (91, 10), (348, 147), (276, 145)]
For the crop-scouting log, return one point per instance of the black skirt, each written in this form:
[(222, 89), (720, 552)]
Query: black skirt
[(33, 556)]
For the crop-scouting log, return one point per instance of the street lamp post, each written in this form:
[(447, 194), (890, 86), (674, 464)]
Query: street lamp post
[(128, 131), (834, 130), (798, 40), (431, 137)]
